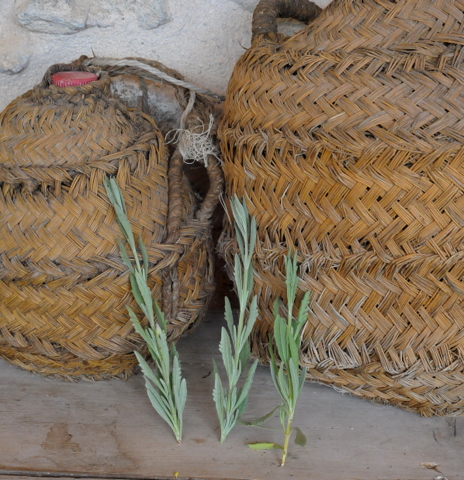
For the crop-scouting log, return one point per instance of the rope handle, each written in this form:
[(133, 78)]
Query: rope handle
[(182, 234), (216, 186), (264, 24), (152, 70), (209, 203)]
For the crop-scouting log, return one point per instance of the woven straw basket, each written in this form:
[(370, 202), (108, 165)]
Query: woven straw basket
[(63, 287), (347, 142)]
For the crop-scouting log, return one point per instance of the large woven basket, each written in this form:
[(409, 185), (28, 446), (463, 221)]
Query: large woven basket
[(347, 142), (63, 287)]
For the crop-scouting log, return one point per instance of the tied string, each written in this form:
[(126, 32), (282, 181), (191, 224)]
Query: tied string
[(194, 146)]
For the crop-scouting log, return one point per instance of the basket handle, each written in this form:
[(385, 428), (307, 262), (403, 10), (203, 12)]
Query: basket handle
[(184, 233), (209, 203), (264, 24), (216, 186)]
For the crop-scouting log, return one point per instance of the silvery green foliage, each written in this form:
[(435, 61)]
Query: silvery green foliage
[(166, 388), (286, 373), (231, 400)]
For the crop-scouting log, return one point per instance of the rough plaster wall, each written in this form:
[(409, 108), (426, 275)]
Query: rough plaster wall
[(201, 39)]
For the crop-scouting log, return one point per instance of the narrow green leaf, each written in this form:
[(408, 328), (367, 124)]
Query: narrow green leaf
[(173, 351), (176, 378), (124, 224), (233, 398), (218, 393), (163, 350), (273, 363), (125, 258), (240, 243), (146, 370), (182, 397), (216, 369), (295, 381), (152, 341), (136, 291), (304, 308), (248, 283), (240, 222), (247, 384), (260, 420), (283, 417), (135, 322), (265, 446), (252, 316), (226, 351), (300, 438), (244, 353), (228, 315), (145, 293), (159, 315), (164, 390), (280, 335), (143, 250), (282, 384), (240, 408), (238, 276), (291, 279), (160, 406), (117, 194), (294, 350), (113, 193), (253, 235)]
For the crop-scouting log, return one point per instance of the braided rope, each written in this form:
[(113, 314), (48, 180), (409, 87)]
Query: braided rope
[(154, 71)]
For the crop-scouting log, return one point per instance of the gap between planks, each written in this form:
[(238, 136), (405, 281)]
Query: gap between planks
[(26, 475)]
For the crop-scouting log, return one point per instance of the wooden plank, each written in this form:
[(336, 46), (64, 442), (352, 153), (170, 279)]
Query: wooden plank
[(35, 477), (20, 475), (110, 429), (56, 476)]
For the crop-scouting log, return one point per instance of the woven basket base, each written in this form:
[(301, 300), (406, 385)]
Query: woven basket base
[(388, 363), (70, 368), (382, 388), (426, 394)]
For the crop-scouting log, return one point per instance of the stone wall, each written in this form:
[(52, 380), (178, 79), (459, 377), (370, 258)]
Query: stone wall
[(201, 39)]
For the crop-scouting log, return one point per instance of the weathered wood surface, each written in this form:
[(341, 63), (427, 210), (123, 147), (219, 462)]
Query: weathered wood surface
[(109, 430)]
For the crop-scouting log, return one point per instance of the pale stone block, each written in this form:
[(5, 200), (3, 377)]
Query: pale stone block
[(150, 13), (71, 16), (53, 16), (147, 14), (13, 62), (247, 4), (15, 54)]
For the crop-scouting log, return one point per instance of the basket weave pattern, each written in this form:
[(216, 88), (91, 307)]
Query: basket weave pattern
[(346, 140), (63, 287)]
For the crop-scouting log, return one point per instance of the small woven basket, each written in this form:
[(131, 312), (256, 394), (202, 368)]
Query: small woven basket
[(347, 142), (63, 287)]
